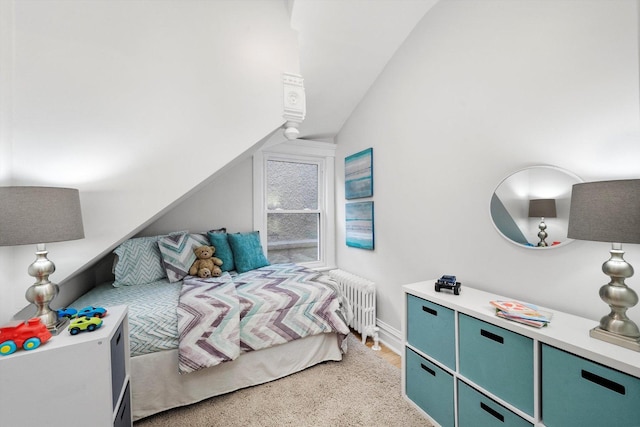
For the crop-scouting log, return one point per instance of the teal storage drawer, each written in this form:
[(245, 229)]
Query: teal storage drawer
[(431, 329), (430, 387), (498, 360), (477, 410), (581, 393)]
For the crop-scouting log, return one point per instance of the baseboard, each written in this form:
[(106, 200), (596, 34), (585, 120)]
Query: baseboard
[(390, 337)]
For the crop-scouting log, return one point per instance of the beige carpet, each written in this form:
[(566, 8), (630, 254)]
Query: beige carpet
[(362, 390)]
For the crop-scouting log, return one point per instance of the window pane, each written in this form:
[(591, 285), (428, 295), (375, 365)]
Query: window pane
[(292, 186), (292, 237)]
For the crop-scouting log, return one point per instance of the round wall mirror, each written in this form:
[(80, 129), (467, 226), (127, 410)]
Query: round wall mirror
[(530, 207)]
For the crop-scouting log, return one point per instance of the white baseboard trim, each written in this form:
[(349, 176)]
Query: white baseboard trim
[(390, 337)]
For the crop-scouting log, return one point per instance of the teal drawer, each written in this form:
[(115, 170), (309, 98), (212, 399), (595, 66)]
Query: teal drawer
[(477, 410), (430, 387), (498, 360), (578, 392), (431, 329)]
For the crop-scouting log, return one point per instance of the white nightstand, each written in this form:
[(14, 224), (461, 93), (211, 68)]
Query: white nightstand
[(70, 380)]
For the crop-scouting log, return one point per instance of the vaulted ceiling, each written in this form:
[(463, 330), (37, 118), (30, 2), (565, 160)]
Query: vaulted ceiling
[(344, 46)]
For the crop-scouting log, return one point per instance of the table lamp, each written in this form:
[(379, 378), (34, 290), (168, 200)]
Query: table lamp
[(39, 215), (541, 208), (609, 211)]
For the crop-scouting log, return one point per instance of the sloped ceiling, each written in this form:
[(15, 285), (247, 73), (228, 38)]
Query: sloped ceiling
[(118, 98), (344, 46)]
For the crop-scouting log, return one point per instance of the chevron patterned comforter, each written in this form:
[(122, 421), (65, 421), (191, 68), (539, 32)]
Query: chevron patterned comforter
[(219, 318)]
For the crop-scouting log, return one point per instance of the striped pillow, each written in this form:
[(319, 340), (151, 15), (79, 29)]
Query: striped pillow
[(177, 253), (139, 262)]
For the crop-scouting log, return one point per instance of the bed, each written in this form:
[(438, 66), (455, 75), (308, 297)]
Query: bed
[(209, 336)]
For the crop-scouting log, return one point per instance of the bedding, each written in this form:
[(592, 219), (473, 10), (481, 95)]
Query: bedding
[(206, 337), (153, 321), (218, 318), (153, 307), (208, 322)]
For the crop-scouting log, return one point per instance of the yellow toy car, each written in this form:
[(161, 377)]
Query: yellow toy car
[(84, 324)]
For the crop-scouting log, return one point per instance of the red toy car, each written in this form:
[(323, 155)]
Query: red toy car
[(23, 334)]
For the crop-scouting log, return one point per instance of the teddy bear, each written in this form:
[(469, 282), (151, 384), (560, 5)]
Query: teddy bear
[(206, 265)]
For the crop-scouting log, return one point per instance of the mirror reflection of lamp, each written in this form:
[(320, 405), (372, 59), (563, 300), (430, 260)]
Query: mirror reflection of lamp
[(542, 208)]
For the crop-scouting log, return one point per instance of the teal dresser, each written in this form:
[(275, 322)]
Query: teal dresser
[(430, 387), (578, 392), (498, 359), (430, 328), (465, 367)]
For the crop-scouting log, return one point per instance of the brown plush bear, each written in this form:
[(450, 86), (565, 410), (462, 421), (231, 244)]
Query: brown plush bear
[(206, 265)]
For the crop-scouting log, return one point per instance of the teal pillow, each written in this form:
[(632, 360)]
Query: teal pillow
[(247, 251), (220, 241)]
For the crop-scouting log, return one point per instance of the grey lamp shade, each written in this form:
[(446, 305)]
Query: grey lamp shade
[(31, 215), (542, 208), (606, 211)]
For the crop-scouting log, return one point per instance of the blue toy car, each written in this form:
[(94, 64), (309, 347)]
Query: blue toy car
[(91, 311), (69, 312), (448, 282)]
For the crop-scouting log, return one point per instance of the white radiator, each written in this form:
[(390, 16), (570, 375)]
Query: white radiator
[(361, 294)]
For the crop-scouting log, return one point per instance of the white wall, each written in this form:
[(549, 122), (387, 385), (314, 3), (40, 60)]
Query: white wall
[(479, 90), (225, 202), (6, 64), (135, 103)]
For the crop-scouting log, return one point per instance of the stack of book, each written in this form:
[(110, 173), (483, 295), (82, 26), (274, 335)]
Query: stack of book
[(527, 314)]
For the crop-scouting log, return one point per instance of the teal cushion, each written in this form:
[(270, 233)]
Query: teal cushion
[(139, 262), (247, 251), (220, 241)]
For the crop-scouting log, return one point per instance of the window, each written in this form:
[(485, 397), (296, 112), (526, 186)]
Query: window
[(293, 186), (293, 214)]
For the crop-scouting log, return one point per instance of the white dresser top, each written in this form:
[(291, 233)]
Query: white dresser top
[(565, 331)]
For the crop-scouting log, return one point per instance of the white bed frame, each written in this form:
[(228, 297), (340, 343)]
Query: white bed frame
[(157, 386)]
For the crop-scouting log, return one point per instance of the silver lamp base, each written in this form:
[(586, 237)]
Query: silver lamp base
[(616, 327), (542, 234), (612, 338), (43, 291), (60, 326)]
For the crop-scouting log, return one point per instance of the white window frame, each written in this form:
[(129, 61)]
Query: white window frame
[(316, 152)]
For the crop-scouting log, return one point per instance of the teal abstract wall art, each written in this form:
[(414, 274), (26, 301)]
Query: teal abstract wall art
[(359, 225), (358, 175)]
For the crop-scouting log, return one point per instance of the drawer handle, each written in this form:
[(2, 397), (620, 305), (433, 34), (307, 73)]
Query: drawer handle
[(492, 336), (426, 368), (597, 379), (429, 310), (493, 412)]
